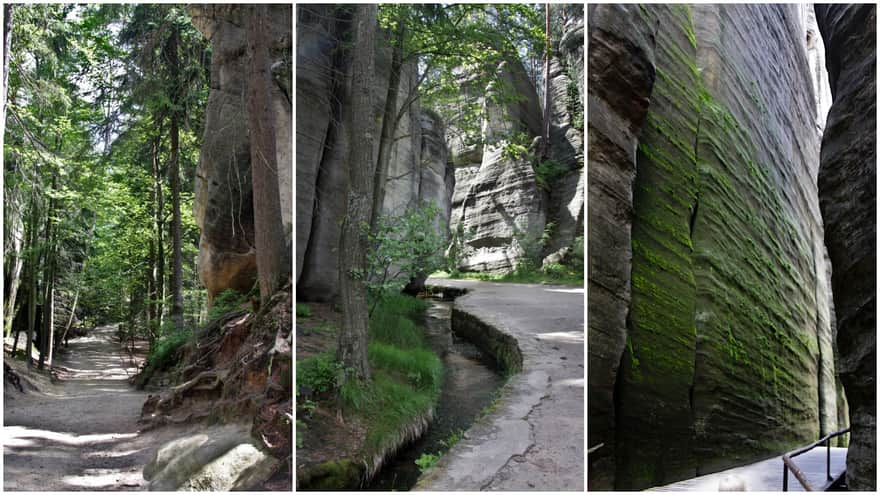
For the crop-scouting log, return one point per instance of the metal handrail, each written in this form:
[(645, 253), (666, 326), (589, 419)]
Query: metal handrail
[(787, 462)]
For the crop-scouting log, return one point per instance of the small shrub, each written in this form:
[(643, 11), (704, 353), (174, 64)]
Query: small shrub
[(426, 461), (303, 310), (319, 374), (227, 301), (300, 427), (547, 172)]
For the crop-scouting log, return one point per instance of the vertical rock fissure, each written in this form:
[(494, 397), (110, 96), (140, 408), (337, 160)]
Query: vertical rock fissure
[(337, 95)]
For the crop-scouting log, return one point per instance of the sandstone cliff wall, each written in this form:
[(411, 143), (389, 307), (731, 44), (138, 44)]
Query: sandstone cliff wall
[(417, 170), (725, 355), (223, 192), (847, 189)]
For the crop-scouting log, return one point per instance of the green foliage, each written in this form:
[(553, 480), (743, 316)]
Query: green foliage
[(303, 310), (452, 439), (390, 323), (547, 172), (402, 247), (320, 373), (300, 427), (165, 351), (227, 301), (426, 461), (456, 253)]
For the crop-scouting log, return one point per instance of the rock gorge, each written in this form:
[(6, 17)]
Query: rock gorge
[(713, 339), (496, 198)]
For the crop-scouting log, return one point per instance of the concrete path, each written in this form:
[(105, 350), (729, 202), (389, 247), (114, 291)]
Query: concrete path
[(766, 475), (534, 439)]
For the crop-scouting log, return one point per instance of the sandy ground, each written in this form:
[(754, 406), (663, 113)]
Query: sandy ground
[(80, 433)]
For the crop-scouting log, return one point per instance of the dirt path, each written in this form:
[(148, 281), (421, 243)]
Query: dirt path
[(80, 433)]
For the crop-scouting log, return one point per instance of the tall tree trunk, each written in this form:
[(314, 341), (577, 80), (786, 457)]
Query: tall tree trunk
[(273, 256), (14, 256), (7, 41), (352, 338), (176, 242), (160, 230), (72, 316), (48, 283), (34, 268), (546, 129), (389, 125)]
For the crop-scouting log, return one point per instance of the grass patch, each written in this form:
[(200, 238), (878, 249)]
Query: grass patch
[(563, 275), (303, 310), (164, 352), (406, 376)]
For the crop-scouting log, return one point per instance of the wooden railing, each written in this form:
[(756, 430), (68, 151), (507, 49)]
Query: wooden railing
[(788, 464)]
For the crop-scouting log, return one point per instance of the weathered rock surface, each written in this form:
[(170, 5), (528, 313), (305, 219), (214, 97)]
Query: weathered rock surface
[(496, 199), (417, 164), (621, 60), (847, 190), (725, 354), (565, 196), (223, 197), (220, 458)]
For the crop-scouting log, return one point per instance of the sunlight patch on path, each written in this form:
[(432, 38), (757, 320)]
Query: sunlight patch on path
[(20, 436)]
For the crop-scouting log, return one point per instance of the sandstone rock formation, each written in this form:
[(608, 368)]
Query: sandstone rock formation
[(621, 61), (417, 170), (223, 197), (848, 194), (723, 332)]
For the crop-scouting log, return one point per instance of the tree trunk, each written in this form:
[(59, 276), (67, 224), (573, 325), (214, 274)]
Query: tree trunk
[(389, 126), (176, 242), (72, 317), (15, 257), (48, 308), (546, 129), (273, 256), (7, 40), (352, 338), (160, 231), (34, 267)]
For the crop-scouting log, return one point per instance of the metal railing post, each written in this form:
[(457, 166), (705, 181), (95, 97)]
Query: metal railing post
[(828, 459), (784, 477)]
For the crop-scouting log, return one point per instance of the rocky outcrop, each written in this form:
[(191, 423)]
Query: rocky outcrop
[(417, 166), (847, 190), (223, 205), (221, 458), (565, 195), (621, 61), (497, 201), (721, 318)]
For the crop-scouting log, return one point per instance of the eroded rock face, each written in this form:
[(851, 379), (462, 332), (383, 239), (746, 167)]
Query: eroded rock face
[(417, 160), (223, 197), (497, 200), (848, 194), (723, 332), (621, 60), (220, 459)]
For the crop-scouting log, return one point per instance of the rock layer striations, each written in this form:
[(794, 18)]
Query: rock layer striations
[(720, 319), (848, 194)]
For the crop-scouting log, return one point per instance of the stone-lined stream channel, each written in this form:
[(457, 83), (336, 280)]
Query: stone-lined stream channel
[(470, 382)]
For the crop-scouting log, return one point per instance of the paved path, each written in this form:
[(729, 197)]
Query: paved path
[(766, 475), (80, 433), (534, 440)]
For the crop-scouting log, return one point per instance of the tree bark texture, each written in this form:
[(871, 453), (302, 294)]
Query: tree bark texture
[(352, 338), (273, 256)]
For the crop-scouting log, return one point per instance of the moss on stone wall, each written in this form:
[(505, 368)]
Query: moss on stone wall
[(720, 367)]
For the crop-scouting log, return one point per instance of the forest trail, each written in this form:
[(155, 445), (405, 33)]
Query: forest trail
[(80, 433), (534, 438)]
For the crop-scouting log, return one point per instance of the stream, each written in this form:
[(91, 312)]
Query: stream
[(470, 381)]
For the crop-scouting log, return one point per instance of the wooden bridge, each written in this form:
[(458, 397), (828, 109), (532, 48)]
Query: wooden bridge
[(806, 469)]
